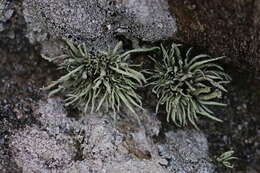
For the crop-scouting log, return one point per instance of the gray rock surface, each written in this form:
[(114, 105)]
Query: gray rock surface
[(93, 143), (98, 22), (5, 12), (188, 149), (12, 26)]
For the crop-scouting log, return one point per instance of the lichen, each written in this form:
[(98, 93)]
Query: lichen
[(188, 85), (106, 80)]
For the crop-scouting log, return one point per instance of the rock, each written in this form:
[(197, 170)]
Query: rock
[(7, 164), (5, 12), (150, 20), (93, 143), (12, 27), (62, 144), (2, 28), (229, 28), (37, 151), (186, 151), (19, 95), (221, 28), (98, 23)]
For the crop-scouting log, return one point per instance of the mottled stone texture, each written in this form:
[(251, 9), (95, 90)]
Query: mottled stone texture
[(94, 144), (98, 22), (188, 149), (229, 28), (12, 26), (5, 12)]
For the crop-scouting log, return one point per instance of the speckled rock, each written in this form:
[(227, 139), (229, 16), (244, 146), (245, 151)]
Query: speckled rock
[(222, 28), (12, 27), (90, 144), (186, 151), (5, 12), (98, 22), (93, 143)]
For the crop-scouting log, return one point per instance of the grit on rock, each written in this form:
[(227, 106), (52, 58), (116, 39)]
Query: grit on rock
[(98, 23), (38, 135), (45, 139), (94, 143), (222, 28)]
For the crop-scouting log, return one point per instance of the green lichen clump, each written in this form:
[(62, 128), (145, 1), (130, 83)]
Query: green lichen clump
[(188, 85), (106, 79), (226, 158)]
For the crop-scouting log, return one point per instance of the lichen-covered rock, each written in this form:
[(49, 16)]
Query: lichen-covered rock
[(12, 26), (5, 12), (98, 22), (90, 144), (186, 151), (149, 20), (222, 28), (93, 143), (37, 151)]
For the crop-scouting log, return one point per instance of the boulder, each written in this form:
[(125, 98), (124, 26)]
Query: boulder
[(98, 23), (95, 143)]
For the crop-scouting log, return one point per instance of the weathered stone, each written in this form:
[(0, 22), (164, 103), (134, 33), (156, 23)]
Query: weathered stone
[(12, 26), (221, 28), (186, 151), (93, 143), (98, 23), (36, 151), (2, 28), (5, 12)]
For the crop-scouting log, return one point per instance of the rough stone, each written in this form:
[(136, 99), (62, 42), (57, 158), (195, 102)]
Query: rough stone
[(222, 28), (12, 26), (188, 149), (98, 23), (93, 143), (5, 12), (2, 28), (37, 151)]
